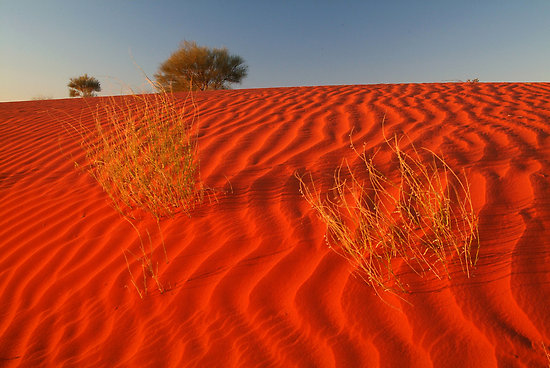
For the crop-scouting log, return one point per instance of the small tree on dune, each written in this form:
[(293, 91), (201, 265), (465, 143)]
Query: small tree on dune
[(83, 86), (194, 67)]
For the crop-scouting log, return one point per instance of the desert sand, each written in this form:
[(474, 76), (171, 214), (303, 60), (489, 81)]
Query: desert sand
[(250, 279)]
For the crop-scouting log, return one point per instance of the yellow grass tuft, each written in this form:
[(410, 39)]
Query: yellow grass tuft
[(143, 152), (421, 216)]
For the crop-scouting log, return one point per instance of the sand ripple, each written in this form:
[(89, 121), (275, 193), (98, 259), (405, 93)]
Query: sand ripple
[(252, 283)]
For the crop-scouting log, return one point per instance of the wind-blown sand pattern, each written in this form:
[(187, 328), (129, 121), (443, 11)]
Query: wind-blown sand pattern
[(251, 280)]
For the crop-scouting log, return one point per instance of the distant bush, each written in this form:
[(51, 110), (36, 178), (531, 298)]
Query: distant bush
[(194, 67), (39, 98), (83, 86)]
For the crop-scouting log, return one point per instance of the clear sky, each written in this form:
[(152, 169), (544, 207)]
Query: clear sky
[(43, 43)]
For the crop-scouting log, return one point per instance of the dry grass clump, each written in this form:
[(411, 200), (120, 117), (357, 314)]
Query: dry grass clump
[(421, 216), (143, 152)]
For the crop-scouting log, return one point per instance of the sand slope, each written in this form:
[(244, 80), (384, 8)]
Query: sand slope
[(252, 282)]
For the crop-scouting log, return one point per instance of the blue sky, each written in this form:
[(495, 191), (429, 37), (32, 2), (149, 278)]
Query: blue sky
[(284, 43)]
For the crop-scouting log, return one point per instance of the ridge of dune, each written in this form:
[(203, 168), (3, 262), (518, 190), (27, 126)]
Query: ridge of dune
[(250, 279)]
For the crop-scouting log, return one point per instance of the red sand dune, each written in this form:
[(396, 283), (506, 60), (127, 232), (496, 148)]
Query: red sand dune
[(252, 281)]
